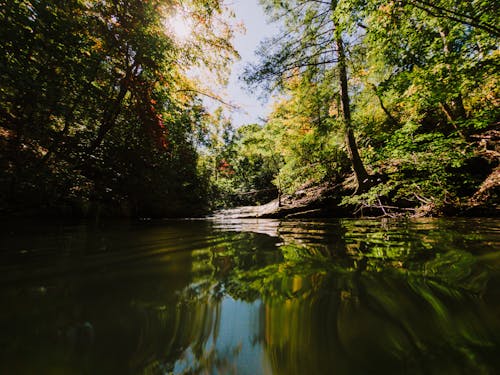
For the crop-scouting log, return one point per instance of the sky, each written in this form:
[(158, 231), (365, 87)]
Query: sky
[(251, 14)]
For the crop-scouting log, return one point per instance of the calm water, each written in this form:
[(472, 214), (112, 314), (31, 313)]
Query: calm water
[(251, 297)]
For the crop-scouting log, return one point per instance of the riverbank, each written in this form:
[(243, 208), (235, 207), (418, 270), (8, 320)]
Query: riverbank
[(325, 201)]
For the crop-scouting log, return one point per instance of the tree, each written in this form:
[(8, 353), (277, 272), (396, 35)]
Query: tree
[(426, 89), (312, 43), (482, 15), (417, 81), (242, 163), (303, 130), (81, 79)]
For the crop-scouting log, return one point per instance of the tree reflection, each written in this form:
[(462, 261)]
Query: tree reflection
[(390, 301), (338, 297), (341, 300)]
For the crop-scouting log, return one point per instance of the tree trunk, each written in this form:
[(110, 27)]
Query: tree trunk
[(391, 118), (360, 172), (455, 110), (110, 115)]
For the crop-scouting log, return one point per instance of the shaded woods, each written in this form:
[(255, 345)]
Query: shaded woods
[(97, 112), (392, 105)]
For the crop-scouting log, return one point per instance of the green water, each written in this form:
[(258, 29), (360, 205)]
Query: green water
[(251, 297)]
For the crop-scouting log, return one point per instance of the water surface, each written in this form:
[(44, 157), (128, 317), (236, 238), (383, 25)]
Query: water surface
[(251, 297)]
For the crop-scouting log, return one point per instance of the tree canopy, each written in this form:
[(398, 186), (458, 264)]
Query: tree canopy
[(97, 106), (411, 87), (396, 103)]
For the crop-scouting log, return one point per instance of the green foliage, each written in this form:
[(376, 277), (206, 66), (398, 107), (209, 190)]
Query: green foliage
[(425, 168), (299, 145), (96, 107), (97, 112), (310, 157), (423, 86), (242, 164)]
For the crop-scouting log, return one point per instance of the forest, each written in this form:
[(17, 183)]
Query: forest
[(381, 108)]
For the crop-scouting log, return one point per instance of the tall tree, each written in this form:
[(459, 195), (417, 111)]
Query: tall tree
[(313, 42)]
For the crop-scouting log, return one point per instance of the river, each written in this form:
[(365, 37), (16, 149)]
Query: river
[(250, 296)]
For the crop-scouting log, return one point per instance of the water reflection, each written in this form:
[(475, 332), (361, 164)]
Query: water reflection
[(252, 297)]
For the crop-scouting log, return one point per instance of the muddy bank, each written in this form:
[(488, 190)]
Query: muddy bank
[(325, 201), (310, 202)]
